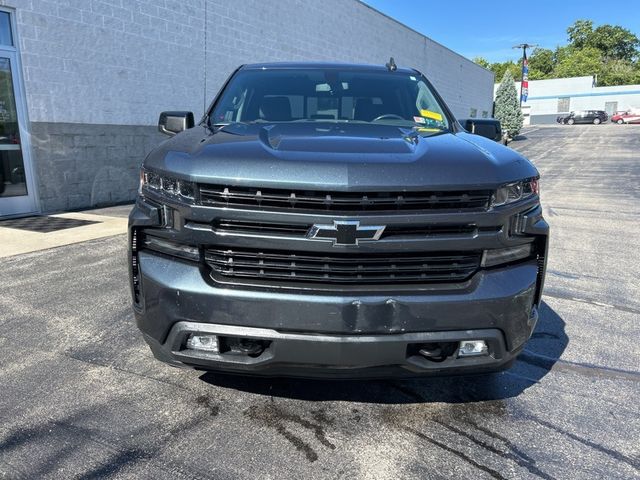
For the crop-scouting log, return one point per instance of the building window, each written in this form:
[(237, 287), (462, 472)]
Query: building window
[(610, 107), (473, 113), (485, 114), (564, 104), (6, 38)]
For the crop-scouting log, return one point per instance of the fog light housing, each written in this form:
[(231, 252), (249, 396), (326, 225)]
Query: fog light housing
[(499, 256), (473, 348), (203, 342), (157, 244)]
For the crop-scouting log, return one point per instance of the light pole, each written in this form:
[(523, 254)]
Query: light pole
[(524, 47)]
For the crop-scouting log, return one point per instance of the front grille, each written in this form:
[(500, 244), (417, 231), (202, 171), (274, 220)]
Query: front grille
[(251, 197), (300, 230), (356, 268)]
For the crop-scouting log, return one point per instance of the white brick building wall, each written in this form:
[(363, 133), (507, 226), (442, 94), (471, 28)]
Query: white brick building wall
[(122, 61)]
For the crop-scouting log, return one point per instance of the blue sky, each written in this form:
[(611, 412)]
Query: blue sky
[(490, 28)]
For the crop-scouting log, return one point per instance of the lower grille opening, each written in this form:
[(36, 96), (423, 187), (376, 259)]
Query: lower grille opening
[(342, 268), (249, 347)]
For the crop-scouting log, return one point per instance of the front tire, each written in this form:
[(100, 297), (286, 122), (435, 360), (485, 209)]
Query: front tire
[(571, 121), (596, 121), (620, 121)]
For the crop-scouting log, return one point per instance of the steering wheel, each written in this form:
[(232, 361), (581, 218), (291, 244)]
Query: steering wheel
[(387, 115)]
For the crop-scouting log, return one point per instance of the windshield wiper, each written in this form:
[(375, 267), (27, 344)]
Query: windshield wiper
[(226, 124)]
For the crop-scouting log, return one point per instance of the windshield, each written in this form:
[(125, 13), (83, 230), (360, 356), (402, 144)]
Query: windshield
[(330, 95)]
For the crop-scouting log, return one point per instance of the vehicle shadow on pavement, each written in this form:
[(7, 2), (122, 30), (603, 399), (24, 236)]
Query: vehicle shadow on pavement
[(545, 347)]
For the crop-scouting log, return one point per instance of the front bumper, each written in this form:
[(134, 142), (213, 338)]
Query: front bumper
[(335, 335)]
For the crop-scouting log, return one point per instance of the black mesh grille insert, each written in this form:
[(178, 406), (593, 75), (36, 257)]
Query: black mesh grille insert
[(341, 201), (357, 268)]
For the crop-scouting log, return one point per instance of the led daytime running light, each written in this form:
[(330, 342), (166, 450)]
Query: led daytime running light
[(166, 185)]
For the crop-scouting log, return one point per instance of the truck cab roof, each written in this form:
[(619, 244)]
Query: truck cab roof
[(321, 65)]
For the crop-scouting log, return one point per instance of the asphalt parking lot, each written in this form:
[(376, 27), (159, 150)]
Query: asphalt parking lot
[(82, 397)]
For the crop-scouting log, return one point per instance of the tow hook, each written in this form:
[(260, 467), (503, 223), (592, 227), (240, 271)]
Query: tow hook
[(434, 351)]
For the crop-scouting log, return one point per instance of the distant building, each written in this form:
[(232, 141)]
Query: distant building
[(550, 98)]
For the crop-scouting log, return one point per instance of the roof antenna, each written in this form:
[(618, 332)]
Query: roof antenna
[(391, 66)]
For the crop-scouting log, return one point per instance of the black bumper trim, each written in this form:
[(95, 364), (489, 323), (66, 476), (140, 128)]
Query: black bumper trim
[(333, 356)]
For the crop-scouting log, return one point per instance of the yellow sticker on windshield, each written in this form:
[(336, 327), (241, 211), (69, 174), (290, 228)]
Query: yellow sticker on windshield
[(432, 115)]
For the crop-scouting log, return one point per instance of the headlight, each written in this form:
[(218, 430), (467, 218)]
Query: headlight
[(515, 191), (166, 185)]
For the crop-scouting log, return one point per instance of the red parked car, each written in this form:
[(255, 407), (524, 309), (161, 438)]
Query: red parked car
[(626, 117)]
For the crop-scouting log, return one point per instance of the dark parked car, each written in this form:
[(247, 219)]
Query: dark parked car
[(586, 116), (335, 220)]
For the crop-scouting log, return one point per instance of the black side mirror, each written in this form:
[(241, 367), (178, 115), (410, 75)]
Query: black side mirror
[(171, 123), (486, 127)]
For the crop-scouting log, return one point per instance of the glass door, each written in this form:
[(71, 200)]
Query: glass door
[(16, 187)]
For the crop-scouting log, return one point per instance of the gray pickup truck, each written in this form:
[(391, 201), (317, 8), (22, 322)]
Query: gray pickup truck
[(335, 220)]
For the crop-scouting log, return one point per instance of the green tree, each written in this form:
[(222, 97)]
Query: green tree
[(498, 68), (580, 32), (541, 63), (507, 107), (514, 68), (615, 42), (561, 53), (578, 62), (619, 72), (483, 62), (609, 51)]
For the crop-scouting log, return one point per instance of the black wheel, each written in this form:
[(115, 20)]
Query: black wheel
[(596, 121), (620, 121), (571, 121)]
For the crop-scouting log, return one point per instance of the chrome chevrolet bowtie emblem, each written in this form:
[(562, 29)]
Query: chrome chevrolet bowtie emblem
[(348, 232)]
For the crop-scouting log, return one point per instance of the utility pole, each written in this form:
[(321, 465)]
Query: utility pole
[(524, 47)]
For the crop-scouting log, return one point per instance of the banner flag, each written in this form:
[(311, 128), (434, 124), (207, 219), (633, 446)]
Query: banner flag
[(525, 78)]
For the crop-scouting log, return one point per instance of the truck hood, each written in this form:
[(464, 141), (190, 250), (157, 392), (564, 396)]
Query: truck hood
[(337, 157)]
